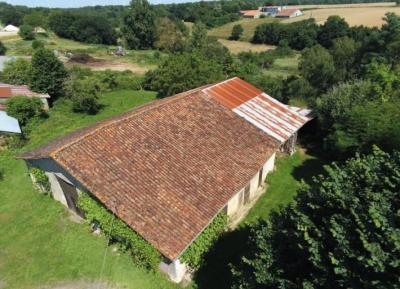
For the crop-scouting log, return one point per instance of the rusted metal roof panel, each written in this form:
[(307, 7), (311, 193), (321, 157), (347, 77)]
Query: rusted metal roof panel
[(8, 90), (263, 111)]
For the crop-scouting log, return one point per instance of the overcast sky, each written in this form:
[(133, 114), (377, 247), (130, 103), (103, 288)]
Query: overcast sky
[(79, 3)]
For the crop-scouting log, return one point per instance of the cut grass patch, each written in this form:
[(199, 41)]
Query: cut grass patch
[(283, 67), (39, 244), (249, 26)]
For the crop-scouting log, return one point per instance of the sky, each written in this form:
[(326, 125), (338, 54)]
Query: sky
[(80, 3)]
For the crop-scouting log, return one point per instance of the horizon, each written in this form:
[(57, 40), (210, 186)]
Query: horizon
[(83, 3)]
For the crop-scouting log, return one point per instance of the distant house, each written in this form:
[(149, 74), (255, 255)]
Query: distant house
[(289, 13), (10, 28), (250, 13), (167, 168), (8, 124), (270, 10), (8, 90)]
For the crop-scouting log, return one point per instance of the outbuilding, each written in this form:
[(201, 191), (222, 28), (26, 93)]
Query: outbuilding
[(168, 168), (10, 28)]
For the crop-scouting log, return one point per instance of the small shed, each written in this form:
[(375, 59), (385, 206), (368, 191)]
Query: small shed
[(8, 90)]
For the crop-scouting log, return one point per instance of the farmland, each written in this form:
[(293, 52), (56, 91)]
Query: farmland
[(363, 14), (236, 47)]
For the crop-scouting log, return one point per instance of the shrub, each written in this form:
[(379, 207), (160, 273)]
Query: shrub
[(3, 49), (16, 72), (84, 95), (142, 252), (237, 32), (194, 254), (24, 108), (36, 44), (26, 32)]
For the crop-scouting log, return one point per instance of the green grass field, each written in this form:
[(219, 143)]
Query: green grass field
[(283, 67)]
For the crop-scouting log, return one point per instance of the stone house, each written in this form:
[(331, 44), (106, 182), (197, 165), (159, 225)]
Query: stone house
[(167, 168)]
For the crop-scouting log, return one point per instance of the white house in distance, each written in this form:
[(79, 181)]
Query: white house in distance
[(272, 11), (10, 28), (169, 167)]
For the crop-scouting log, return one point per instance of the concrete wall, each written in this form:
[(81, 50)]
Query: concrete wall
[(237, 201), (175, 270)]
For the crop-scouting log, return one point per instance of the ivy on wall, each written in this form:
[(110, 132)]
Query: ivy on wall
[(41, 179), (194, 254), (142, 252)]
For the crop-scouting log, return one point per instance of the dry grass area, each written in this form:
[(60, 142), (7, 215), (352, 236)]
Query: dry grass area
[(367, 16), (355, 5), (249, 25), (236, 47)]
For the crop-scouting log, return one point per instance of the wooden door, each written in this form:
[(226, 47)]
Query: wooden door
[(71, 195)]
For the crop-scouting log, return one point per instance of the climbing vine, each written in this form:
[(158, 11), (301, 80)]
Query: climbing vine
[(194, 254), (142, 252)]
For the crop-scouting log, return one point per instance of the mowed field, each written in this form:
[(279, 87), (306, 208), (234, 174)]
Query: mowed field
[(367, 16), (363, 14), (236, 47)]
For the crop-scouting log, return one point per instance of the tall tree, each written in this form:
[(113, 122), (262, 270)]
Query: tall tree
[(237, 32), (169, 37), (334, 27), (317, 66), (342, 232), (199, 35), (139, 29), (47, 73)]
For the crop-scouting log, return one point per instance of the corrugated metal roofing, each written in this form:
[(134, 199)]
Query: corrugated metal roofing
[(263, 111), (8, 123), (8, 90)]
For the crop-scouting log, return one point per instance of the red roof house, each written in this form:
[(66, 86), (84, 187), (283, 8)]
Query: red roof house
[(169, 167), (9, 90)]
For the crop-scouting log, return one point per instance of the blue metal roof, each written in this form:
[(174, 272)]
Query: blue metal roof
[(8, 124)]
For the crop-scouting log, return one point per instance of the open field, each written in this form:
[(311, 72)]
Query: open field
[(367, 14), (249, 26), (371, 16), (236, 47), (283, 67), (137, 61)]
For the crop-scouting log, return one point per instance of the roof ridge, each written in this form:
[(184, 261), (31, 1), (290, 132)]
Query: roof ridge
[(129, 114)]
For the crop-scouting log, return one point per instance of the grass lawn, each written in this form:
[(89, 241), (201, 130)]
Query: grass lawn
[(39, 244), (236, 47), (283, 67), (282, 184)]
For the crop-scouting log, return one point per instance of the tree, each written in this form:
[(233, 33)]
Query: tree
[(16, 72), (317, 67), (345, 55), (334, 27), (139, 29), (199, 35), (298, 87), (84, 95), (169, 37), (342, 232), (24, 108), (3, 48), (35, 19), (47, 73), (182, 72), (26, 32), (237, 32)]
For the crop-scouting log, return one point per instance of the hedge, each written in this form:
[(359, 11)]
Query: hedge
[(142, 252), (41, 179), (194, 254)]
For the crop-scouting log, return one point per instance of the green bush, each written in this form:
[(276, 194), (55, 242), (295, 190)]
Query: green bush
[(194, 254), (26, 32), (3, 48), (16, 72), (24, 108), (142, 252), (37, 44), (41, 179), (84, 94)]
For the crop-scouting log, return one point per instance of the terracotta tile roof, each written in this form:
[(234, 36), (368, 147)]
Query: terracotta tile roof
[(9, 90), (271, 116), (166, 168), (249, 12)]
